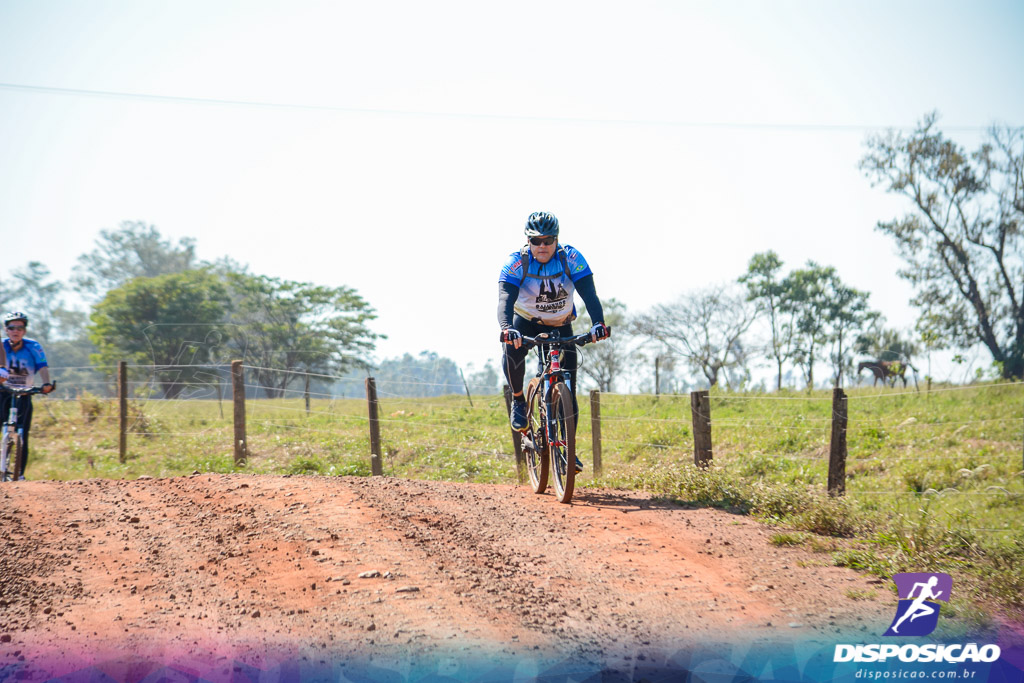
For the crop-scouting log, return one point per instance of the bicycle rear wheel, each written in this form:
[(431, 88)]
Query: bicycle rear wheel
[(533, 445), (563, 444)]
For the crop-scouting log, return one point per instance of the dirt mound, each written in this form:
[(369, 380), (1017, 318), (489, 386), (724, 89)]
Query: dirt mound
[(314, 566)]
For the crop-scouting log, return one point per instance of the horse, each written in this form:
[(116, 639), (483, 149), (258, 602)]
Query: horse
[(884, 369)]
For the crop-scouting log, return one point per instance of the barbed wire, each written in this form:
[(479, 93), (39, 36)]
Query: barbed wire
[(648, 445), (399, 399), (310, 412), (768, 398), (289, 425), (456, 384), (756, 421), (434, 447), (159, 366), (937, 492), (665, 396), (203, 433), (338, 378), (613, 418), (925, 423), (949, 456), (301, 393), (444, 427), (977, 387)]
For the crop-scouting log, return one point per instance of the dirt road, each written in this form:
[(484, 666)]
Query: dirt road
[(313, 567)]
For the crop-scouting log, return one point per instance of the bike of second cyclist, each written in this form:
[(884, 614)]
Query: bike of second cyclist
[(12, 446), (549, 440)]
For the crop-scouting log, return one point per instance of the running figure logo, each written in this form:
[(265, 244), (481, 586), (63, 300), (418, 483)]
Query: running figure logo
[(916, 614)]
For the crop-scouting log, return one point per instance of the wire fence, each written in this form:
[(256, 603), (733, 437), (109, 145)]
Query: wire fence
[(963, 442)]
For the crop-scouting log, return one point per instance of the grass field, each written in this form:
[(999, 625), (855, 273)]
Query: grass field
[(934, 479)]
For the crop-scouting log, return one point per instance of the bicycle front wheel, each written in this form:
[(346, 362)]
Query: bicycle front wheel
[(18, 457), (533, 444), (6, 452), (563, 443)]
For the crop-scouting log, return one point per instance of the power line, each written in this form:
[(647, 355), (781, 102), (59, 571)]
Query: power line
[(214, 101)]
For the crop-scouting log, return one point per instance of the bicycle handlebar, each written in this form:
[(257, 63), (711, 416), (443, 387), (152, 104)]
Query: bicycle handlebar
[(23, 391), (542, 339)]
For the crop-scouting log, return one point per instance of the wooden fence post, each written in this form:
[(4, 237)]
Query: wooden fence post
[(376, 465), (837, 445), (122, 410), (465, 384), (238, 398), (306, 394), (220, 396), (700, 406), (517, 438), (595, 429)]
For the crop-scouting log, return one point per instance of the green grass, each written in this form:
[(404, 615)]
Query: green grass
[(934, 481)]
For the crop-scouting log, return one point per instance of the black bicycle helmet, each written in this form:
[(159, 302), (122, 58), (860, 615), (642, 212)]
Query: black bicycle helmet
[(541, 224)]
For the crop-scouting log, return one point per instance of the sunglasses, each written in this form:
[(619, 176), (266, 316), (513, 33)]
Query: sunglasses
[(547, 241), (15, 327)]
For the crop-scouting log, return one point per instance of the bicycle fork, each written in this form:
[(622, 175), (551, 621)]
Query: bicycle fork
[(550, 422)]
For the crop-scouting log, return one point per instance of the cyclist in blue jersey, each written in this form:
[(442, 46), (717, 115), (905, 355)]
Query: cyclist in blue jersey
[(535, 295), (24, 360)]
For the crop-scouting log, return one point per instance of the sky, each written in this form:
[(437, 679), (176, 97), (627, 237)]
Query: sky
[(398, 147)]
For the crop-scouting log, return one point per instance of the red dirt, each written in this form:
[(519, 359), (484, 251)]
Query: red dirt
[(253, 566)]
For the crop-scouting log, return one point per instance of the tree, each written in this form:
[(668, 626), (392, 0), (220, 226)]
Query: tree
[(8, 292), (769, 292), (705, 328), (163, 321), (963, 242), (885, 343), (605, 361), (825, 310), (484, 380), (809, 301), (284, 328), (134, 250), (427, 374), (39, 299), (848, 314), (666, 377)]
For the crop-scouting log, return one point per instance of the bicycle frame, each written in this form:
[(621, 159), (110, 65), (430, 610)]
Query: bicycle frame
[(11, 423), (549, 374), (549, 438)]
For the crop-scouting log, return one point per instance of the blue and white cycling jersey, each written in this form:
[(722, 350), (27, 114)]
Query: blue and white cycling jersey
[(24, 363), (545, 294)]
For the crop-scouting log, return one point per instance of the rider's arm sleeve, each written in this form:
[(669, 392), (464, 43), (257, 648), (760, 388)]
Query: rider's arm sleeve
[(507, 295), (585, 286)]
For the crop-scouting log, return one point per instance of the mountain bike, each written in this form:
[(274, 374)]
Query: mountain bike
[(12, 451), (549, 440)]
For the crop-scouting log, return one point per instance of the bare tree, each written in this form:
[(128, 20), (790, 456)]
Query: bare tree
[(963, 241), (705, 328), (605, 362)]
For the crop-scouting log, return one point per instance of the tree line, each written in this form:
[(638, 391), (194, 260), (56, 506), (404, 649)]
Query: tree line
[(962, 242), (152, 302)]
